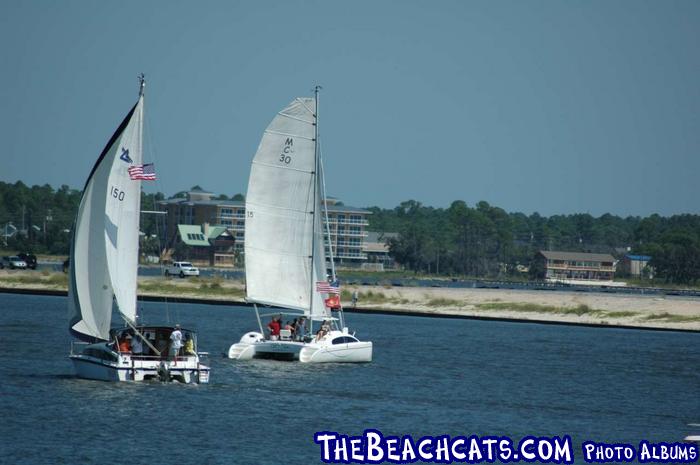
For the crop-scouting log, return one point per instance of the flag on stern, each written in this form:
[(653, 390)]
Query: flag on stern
[(333, 302), (328, 288), (144, 172)]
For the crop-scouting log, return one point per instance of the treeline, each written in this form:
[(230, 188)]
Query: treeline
[(39, 219), (481, 241), (486, 241)]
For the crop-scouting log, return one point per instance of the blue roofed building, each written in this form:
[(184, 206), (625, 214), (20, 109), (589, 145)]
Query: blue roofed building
[(636, 265)]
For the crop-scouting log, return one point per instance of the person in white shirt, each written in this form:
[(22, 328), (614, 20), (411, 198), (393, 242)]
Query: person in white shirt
[(136, 345), (175, 343)]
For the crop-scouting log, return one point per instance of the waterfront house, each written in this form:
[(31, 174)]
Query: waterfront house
[(575, 267), (204, 245)]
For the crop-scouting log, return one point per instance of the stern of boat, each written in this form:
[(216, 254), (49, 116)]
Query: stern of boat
[(99, 362), (245, 348)]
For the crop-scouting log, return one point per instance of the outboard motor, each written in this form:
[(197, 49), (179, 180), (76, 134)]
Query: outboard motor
[(163, 373)]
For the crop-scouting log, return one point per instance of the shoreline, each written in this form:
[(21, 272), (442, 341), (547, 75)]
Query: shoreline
[(539, 307)]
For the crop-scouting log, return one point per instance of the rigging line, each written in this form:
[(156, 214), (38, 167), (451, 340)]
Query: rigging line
[(325, 212), (296, 118), (151, 146), (280, 133)]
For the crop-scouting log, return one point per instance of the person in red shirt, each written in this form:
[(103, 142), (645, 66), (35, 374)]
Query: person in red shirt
[(124, 345), (274, 326)]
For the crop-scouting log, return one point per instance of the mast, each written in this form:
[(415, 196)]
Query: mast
[(142, 88), (142, 84), (313, 222)]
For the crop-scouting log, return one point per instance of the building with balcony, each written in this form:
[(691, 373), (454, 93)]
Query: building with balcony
[(347, 225), (348, 230), (575, 267), (377, 250)]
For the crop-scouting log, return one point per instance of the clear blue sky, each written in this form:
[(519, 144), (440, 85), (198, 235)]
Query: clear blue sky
[(548, 106)]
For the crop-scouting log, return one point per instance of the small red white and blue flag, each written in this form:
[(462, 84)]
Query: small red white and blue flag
[(143, 172), (328, 288)]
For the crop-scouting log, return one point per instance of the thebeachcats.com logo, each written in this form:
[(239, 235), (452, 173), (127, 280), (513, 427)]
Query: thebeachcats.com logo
[(374, 447)]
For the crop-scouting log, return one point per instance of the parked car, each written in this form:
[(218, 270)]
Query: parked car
[(13, 263), (29, 259), (182, 269)]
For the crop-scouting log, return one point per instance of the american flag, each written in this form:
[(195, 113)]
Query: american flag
[(144, 172), (328, 288)]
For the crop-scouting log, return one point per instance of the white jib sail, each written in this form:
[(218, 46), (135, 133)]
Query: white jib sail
[(280, 210), (104, 252)]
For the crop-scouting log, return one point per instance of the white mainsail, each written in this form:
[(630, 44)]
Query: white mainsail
[(283, 198), (104, 251)]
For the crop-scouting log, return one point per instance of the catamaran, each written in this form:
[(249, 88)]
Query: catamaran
[(285, 255), (103, 270)]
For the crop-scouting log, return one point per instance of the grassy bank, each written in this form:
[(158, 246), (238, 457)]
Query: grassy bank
[(209, 288), (561, 306), (205, 288)]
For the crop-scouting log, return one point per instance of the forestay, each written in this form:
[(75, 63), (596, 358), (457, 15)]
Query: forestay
[(281, 203), (104, 250)]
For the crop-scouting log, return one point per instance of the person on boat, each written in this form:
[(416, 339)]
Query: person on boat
[(323, 330), (300, 329), (274, 327), (289, 326), (124, 345), (161, 344), (175, 343), (136, 345), (189, 345)]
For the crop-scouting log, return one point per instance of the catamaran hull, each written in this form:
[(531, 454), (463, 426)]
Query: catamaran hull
[(252, 346), (261, 349), (93, 368), (356, 352)]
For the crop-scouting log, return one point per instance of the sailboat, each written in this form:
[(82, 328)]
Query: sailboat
[(104, 268), (285, 255)]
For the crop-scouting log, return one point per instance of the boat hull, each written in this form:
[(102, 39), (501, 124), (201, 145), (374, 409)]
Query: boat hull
[(253, 346), (124, 370), (99, 362), (356, 352)]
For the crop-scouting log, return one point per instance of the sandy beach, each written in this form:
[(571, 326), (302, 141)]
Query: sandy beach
[(553, 306), (629, 310)]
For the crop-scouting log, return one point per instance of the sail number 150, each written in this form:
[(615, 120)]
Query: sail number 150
[(117, 194)]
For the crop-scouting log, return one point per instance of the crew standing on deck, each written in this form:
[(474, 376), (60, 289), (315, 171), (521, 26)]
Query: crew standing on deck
[(136, 344), (175, 343)]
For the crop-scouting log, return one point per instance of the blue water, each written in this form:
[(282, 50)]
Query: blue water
[(429, 376)]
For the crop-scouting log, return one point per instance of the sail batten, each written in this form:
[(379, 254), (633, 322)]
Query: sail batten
[(296, 118), (281, 203), (289, 134), (260, 163), (104, 248)]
